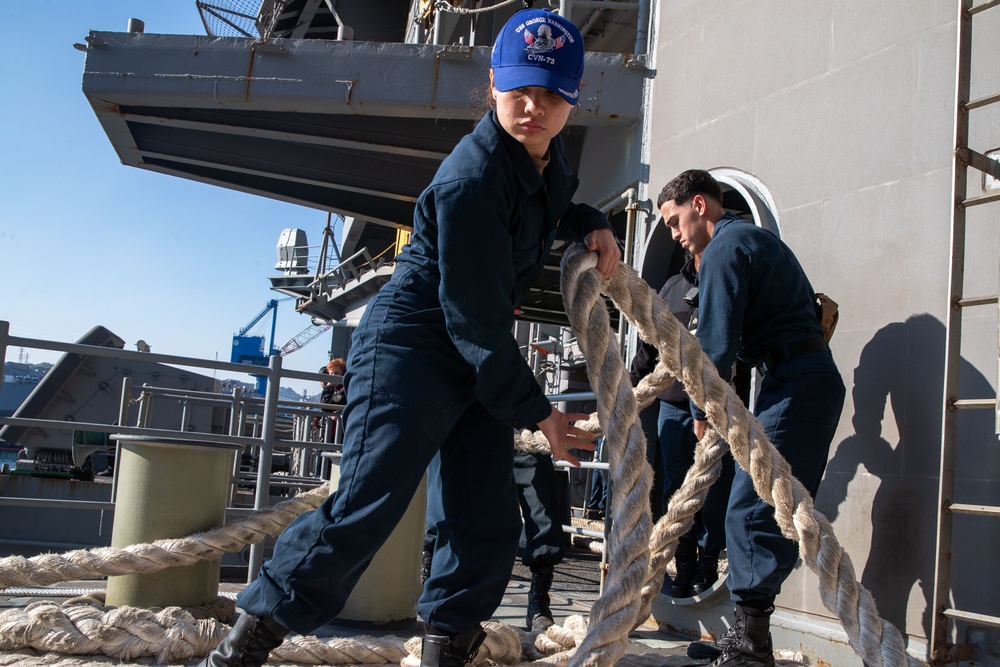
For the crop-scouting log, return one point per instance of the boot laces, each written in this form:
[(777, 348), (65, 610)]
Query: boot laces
[(727, 643), (731, 635), (259, 644), (471, 655)]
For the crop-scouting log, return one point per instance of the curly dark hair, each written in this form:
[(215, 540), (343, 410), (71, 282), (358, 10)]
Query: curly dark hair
[(687, 184)]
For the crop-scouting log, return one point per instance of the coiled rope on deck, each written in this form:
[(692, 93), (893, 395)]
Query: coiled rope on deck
[(172, 634)]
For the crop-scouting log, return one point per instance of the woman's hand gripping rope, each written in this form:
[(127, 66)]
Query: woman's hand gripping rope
[(563, 436), (608, 252)]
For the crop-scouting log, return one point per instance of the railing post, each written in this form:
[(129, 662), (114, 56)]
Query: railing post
[(123, 411), (236, 412), (185, 416), (4, 335), (236, 429), (264, 459), (145, 407)]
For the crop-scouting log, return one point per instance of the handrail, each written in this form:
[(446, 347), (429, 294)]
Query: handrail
[(193, 436), (265, 439), (263, 414)]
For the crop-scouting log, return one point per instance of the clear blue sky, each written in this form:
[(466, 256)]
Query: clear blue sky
[(86, 241)]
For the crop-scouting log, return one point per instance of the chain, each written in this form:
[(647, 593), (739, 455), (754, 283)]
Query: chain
[(445, 6)]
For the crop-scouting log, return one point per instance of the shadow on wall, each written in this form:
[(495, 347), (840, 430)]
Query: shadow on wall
[(902, 368)]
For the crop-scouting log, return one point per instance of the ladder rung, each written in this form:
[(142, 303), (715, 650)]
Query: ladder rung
[(983, 101), (976, 301), (983, 7), (973, 403), (975, 159), (982, 199), (979, 619), (978, 510)]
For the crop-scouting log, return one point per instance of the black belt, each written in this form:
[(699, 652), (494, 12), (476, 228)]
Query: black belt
[(790, 350)]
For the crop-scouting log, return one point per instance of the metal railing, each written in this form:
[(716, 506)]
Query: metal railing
[(261, 413), (253, 423)]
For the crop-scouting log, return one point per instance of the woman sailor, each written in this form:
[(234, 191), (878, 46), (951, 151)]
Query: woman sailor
[(434, 369)]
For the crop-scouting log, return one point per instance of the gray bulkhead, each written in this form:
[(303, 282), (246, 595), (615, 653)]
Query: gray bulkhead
[(842, 114)]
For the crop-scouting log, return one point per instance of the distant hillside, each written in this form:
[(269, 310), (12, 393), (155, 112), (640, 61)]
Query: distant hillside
[(286, 393), (14, 371)]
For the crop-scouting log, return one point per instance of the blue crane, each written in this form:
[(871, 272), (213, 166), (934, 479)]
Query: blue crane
[(250, 349)]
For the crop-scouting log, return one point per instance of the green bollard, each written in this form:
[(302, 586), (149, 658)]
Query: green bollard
[(388, 591), (168, 488)]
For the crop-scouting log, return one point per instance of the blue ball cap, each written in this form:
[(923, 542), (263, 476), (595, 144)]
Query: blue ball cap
[(539, 48)]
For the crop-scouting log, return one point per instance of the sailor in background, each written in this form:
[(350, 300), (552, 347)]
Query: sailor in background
[(333, 394), (544, 540), (756, 304), (434, 369)]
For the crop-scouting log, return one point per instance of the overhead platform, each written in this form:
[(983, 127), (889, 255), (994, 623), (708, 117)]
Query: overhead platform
[(357, 128)]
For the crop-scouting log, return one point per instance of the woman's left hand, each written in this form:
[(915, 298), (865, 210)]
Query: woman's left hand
[(562, 436), (608, 253)]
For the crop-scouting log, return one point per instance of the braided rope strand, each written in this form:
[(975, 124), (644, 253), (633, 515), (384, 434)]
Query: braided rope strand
[(49, 569), (613, 614), (874, 639)]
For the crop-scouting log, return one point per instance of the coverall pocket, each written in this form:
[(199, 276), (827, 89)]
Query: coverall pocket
[(417, 366)]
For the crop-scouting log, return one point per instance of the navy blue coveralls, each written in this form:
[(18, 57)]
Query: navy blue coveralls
[(433, 367), (756, 302), (538, 497)]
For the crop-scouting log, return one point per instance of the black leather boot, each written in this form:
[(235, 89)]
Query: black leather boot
[(746, 644), (707, 571), (686, 563), (538, 598), (712, 650), (445, 649), (248, 644)]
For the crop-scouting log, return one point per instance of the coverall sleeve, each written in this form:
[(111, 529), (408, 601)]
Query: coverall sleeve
[(476, 263), (643, 363), (579, 220), (723, 279)]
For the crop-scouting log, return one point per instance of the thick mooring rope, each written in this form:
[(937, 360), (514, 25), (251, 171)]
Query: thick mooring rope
[(635, 576), (159, 555), (875, 640), (83, 627), (614, 614), (171, 635)]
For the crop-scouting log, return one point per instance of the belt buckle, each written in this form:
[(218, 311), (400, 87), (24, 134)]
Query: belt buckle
[(766, 364)]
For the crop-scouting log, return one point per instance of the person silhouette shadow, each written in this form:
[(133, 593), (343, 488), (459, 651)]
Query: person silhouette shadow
[(891, 463)]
